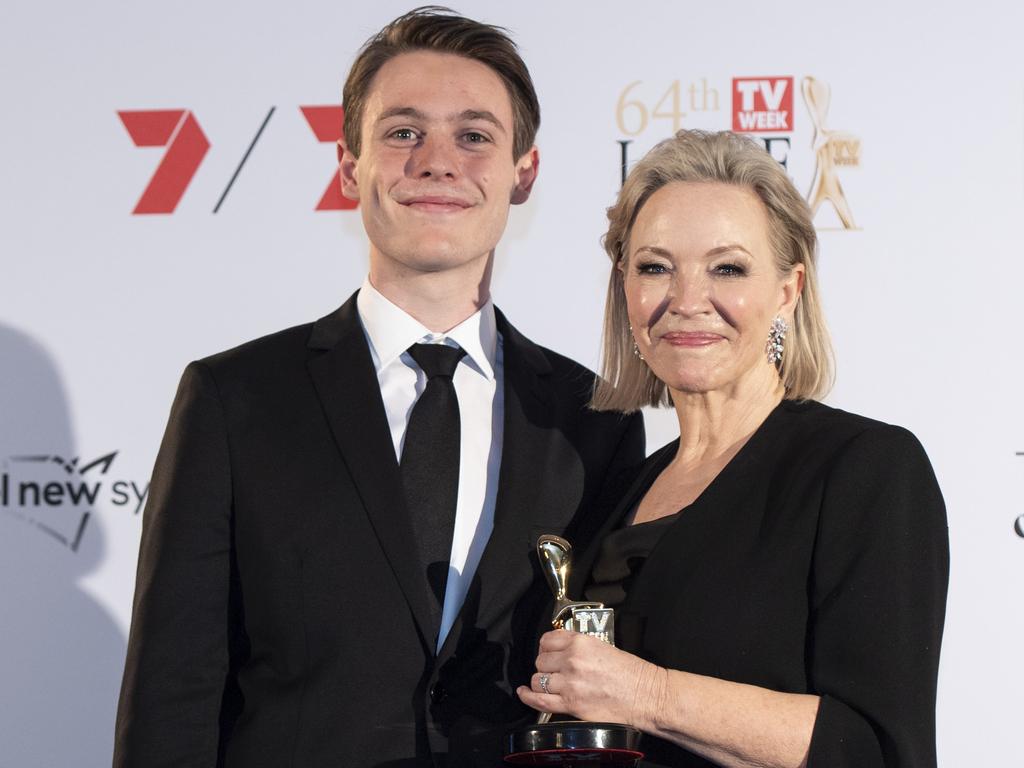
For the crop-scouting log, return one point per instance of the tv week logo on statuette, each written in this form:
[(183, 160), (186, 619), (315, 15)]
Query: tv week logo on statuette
[(58, 496), (187, 145)]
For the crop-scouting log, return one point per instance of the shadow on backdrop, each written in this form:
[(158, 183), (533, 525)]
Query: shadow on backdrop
[(61, 654)]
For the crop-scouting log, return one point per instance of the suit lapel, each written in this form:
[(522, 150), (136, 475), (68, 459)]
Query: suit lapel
[(346, 384)]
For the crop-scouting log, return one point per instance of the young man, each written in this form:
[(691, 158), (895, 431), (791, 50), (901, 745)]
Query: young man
[(337, 561)]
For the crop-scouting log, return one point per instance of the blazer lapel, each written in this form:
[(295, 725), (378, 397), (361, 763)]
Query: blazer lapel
[(346, 384)]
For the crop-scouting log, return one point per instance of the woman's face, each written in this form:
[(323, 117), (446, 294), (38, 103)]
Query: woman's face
[(702, 288)]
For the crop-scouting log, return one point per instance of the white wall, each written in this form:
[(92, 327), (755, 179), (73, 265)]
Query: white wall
[(100, 309)]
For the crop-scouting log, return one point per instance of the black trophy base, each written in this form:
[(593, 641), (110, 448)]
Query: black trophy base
[(574, 742)]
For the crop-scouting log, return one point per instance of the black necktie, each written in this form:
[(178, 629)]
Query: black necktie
[(430, 464)]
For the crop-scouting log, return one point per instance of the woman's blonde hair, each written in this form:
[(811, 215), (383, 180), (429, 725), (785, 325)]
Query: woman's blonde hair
[(626, 383)]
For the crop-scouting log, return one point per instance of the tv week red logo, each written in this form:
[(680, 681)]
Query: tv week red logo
[(762, 104)]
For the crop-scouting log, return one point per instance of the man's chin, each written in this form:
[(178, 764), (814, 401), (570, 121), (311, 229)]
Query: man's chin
[(431, 253), (439, 257), (439, 264)]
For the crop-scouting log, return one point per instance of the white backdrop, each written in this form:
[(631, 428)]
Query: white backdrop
[(100, 308)]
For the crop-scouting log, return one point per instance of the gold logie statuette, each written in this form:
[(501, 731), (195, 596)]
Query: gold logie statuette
[(573, 742), (588, 618)]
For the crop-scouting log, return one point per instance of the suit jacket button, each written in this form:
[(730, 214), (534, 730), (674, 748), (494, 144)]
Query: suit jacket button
[(438, 692)]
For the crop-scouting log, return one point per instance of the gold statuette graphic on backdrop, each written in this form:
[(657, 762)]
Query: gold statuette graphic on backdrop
[(573, 742), (831, 149)]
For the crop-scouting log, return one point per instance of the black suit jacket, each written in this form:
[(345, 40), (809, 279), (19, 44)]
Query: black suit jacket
[(280, 618), (815, 562)]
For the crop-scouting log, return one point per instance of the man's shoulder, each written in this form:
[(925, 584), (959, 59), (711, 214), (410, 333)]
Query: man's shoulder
[(542, 358), (555, 369), (273, 348), (566, 370), (288, 347), (568, 387)]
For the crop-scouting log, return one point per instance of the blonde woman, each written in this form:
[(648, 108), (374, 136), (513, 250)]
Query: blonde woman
[(779, 572)]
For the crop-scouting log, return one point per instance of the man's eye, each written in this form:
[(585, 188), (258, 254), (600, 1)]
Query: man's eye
[(473, 137), (403, 134)]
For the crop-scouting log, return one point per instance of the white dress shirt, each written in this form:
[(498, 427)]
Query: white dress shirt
[(479, 386)]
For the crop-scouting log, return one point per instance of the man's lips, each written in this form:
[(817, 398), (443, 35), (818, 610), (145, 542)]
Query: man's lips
[(436, 203), (691, 338)]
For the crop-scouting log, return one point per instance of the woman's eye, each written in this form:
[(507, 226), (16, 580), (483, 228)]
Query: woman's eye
[(730, 270), (651, 268)]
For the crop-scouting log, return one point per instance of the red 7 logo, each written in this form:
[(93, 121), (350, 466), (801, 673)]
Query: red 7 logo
[(326, 123), (178, 130)]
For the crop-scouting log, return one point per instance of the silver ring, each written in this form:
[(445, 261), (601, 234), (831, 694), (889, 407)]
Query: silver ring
[(544, 683)]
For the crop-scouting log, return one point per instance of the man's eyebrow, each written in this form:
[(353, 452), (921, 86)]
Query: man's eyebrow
[(482, 114), (468, 114), (401, 112)]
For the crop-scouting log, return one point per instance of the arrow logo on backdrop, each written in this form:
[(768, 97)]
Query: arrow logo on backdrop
[(326, 123), (179, 131)]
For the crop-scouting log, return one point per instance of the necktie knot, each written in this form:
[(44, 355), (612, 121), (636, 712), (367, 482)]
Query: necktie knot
[(437, 359)]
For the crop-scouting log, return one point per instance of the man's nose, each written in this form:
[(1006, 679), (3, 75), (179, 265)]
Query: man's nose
[(435, 158)]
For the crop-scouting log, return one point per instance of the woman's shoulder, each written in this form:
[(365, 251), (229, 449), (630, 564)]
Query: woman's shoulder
[(807, 437), (814, 422), (812, 433)]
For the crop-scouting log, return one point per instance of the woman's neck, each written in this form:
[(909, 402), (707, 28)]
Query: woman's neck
[(718, 422)]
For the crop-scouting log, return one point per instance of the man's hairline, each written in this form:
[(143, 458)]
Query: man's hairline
[(508, 87)]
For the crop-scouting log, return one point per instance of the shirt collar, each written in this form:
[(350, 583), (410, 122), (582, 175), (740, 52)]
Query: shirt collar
[(390, 331)]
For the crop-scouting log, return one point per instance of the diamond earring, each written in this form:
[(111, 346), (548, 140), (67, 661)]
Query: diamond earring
[(776, 345), (636, 349)]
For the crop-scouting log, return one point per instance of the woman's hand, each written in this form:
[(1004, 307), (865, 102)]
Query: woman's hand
[(732, 724), (592, 680)]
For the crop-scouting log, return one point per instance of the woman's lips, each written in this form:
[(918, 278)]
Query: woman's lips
[(691, 338)]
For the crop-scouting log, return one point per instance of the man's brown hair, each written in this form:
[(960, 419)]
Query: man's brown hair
[(439, 29)]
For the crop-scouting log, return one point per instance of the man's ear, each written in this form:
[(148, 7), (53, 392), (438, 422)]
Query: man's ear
[(526, 174), (347, 171)]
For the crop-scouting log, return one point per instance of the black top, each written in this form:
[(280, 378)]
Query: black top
[(815, 562), (623, 553)]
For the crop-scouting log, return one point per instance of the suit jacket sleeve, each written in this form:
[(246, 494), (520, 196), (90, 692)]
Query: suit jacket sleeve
[(178, 650), (878, 593)]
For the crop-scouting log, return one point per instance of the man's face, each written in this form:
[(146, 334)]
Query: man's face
[(436, 175)]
